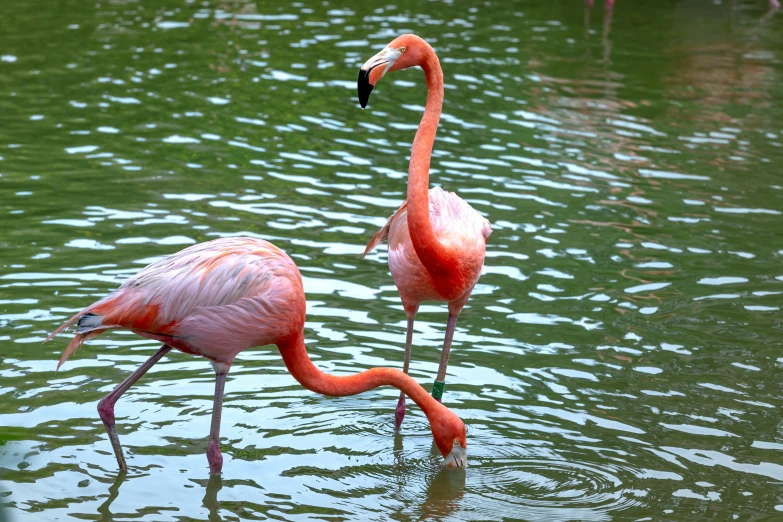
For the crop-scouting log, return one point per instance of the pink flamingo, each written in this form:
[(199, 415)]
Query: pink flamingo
[(436, 240), (218, 298)]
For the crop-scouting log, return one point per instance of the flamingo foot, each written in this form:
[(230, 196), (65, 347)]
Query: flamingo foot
[(399, 413), (106, 412), (214, 457)]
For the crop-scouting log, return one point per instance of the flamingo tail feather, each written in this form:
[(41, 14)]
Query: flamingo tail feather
[(379, 237), (75, 343), (88, 325)]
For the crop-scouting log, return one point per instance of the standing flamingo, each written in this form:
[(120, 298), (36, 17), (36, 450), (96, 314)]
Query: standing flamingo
[(218, 298), (436, 240)]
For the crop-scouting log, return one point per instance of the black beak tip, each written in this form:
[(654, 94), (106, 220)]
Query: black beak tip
[(363, 87)]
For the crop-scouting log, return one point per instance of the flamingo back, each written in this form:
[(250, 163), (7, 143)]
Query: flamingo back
[(213, 299)]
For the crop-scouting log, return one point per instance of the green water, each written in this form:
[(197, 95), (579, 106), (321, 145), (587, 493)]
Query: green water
[(619, 359)]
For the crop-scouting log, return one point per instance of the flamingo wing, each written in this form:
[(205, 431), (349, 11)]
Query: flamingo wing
[(383, 234), (454, 221), (204, 293)]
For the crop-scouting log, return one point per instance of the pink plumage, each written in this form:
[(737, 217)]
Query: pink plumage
[(436, 240), (218, 298), (456, 225), (213, 299)]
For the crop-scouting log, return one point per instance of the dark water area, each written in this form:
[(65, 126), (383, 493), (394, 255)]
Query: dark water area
[(620, 357)]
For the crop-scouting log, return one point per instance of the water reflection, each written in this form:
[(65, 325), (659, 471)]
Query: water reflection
[(211, 502), (606, 43), (114, 491), (443, 496)]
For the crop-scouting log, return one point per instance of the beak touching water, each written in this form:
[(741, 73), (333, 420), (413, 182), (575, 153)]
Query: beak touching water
[(373, 70), (458, 458)]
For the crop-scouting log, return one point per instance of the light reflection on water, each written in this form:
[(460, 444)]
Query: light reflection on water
[(618, 357)]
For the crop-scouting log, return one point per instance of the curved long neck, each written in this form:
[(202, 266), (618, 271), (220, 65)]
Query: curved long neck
[(433, 255), (302, 368)]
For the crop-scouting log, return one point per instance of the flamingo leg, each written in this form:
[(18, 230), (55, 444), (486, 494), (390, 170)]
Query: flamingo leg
[(440, 380), (774, 4), (399, 413), (106, 405), (214, 457)]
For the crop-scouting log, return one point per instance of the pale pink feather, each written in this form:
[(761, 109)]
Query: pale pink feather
[(213, 299), (456, 225)]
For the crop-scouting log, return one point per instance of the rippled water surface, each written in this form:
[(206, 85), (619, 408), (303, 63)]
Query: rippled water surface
[(620, 357)]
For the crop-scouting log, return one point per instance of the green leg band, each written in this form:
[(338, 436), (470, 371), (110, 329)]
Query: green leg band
[(437, 389)]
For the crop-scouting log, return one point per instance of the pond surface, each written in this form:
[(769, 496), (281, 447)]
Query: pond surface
[(619, 359)]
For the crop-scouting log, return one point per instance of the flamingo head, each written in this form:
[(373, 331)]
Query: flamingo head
[(450, 437), (407, 50)]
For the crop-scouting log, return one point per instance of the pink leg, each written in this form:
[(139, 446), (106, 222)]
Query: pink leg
[(214, 457), (774, 4), (609, 3), (106, 405), (399, 413), (440, 380), (588, 3)]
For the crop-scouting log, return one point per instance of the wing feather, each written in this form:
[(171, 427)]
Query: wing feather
[(209, 276), (383, 234)]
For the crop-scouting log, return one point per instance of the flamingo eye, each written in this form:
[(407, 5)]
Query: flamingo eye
[(456, 441), (403, 49)]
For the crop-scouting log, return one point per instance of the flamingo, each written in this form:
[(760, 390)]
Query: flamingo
[(436, 240), (219, 298)]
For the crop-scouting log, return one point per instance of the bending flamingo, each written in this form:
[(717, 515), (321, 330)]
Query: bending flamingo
[(218, 298), (436, 240)]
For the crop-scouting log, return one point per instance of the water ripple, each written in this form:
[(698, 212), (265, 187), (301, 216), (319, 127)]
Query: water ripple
[(617, 359)]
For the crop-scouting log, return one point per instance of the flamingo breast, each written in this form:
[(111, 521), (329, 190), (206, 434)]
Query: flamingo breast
[(457, 226)]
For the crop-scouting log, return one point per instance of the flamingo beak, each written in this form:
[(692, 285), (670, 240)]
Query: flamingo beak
[(364, 87), (373, 70), (458, 458)]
